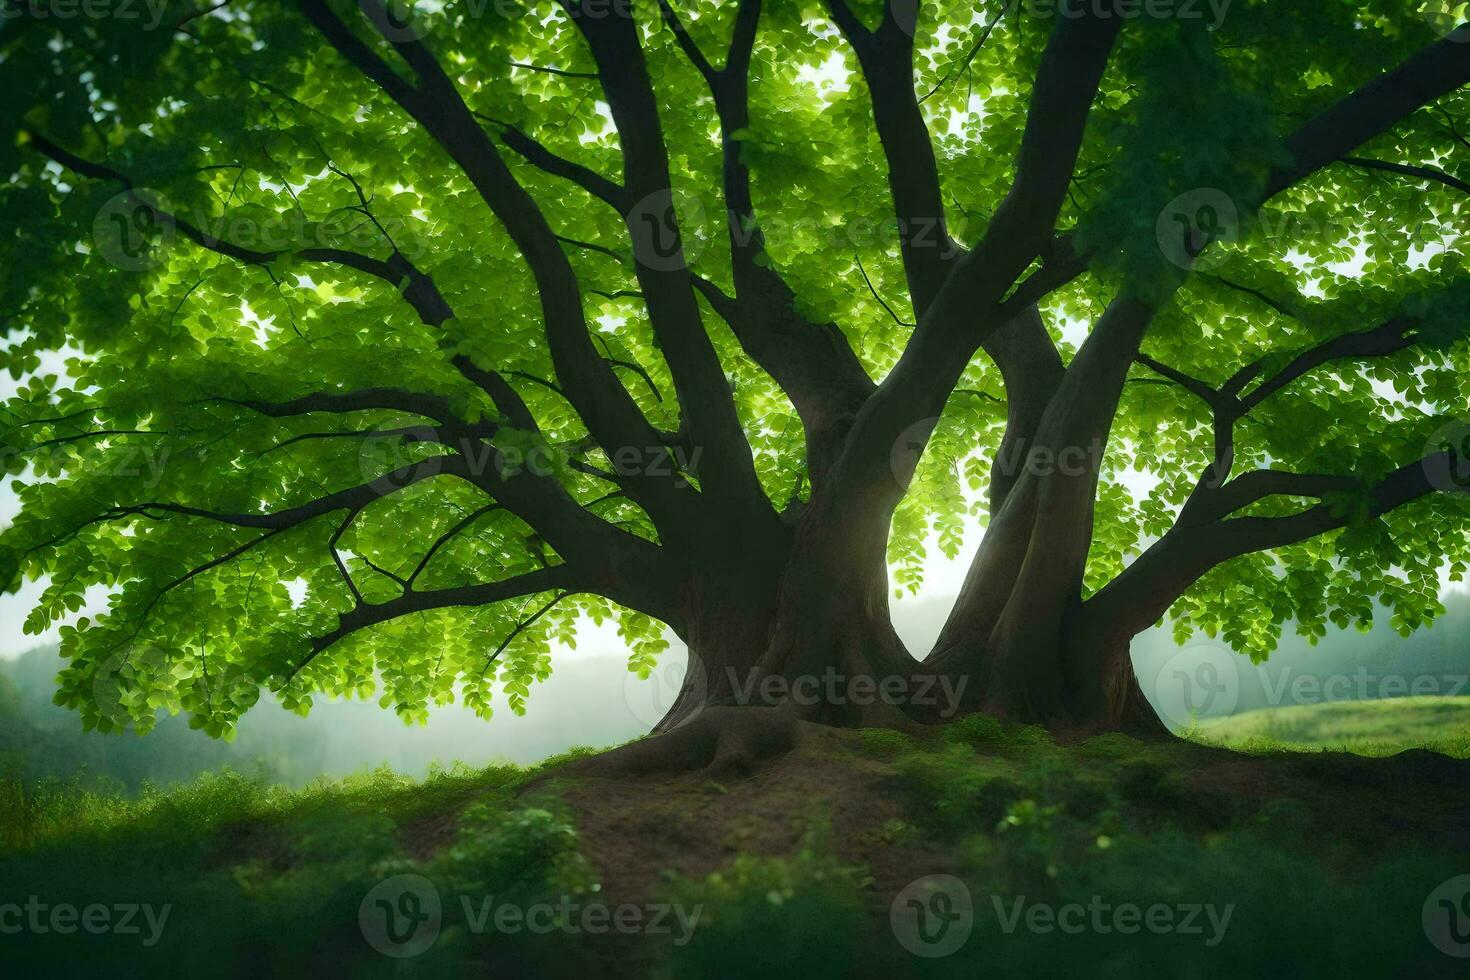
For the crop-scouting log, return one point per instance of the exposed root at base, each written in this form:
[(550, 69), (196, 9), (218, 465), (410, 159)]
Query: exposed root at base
[(724, 741)]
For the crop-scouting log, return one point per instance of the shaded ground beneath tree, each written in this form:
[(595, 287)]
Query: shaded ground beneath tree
[(786, 857)]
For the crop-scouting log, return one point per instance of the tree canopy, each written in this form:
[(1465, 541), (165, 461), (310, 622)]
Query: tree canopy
[(399, 340)]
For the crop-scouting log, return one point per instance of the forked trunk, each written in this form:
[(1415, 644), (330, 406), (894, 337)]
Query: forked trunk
[(815, 639)]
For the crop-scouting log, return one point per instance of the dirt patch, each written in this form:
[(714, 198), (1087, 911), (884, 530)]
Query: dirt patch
[(636, 828), (425, 836), (254, 842), (691, 801)]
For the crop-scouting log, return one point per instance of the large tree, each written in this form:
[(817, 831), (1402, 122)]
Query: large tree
[(401, 339)]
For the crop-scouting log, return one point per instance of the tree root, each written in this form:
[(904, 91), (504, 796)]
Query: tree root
[(725, 742)]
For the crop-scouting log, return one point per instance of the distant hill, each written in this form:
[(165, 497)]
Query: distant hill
[(590, 700), (1204, 679), (1382, 727)]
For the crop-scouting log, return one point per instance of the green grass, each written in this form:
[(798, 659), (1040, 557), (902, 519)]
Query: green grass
[(262, 880), (1373, 728), (269, 882)]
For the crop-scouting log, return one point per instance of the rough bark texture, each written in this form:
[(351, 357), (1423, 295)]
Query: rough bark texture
[(784, 605), (773, 601)]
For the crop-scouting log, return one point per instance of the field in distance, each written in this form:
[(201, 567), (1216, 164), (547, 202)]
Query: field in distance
[(1380, 727)]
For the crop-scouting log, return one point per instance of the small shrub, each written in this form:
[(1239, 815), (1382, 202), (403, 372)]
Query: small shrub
[(799, 916), (987, 733), (952, 792), (885, 742), (526, 852)]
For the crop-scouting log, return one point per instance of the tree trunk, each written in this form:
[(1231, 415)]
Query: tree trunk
[(832, 643), (805, 628)]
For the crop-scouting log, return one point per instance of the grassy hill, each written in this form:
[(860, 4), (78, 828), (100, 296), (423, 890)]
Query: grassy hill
[(1380, 727), (799, 857)]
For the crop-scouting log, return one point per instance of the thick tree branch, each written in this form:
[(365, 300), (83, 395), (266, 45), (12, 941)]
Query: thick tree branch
[(365, 615), (1029, 362), (1139, 596), (396, 270), (965, 312), (344, 402), (813, 363), (1389, 338), (1257, 485), (700, 386), (886, 57), (588, 381), (1431, 174), (536, 153), (1374, 108), (1191, 384)]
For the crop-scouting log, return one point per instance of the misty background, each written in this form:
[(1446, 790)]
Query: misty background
[(591, 699)]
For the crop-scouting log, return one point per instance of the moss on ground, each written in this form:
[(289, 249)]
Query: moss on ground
[(1299, 850)]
